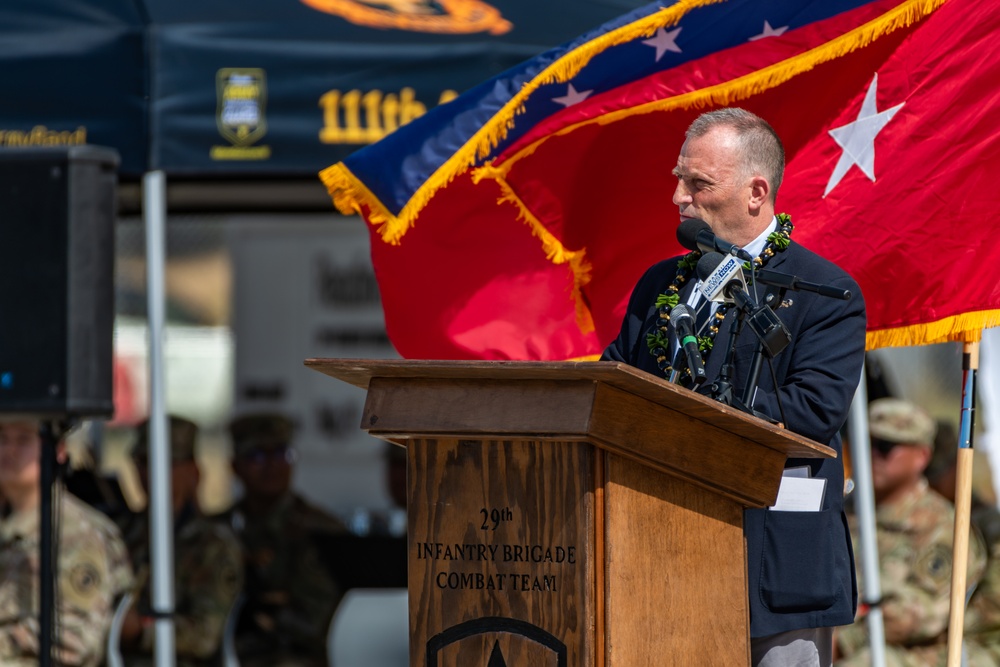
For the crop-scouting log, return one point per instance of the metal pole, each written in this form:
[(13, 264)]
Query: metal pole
[(864, 506), (161, 543), (46, 545)]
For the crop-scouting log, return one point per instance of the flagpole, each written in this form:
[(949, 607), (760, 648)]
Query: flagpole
[(864, 507), (963, 504), (160, 500)]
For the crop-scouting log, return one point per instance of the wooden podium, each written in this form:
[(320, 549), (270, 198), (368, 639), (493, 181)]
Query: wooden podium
[(571, 513)]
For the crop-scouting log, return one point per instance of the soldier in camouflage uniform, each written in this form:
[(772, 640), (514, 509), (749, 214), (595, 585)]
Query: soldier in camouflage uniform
[(290, 594), (208, 564), (915, 527), (982, 617), (92, 565)]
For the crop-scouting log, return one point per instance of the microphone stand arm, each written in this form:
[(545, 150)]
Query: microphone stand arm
[(722, 388), (772, 301), (769, 344), (771, 339), (786, 281)]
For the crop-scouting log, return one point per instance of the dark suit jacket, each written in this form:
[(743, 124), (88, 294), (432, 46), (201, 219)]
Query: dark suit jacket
[(800, 564)]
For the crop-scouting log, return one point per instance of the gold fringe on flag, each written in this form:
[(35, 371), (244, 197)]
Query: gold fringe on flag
[(964, 328), (349, 198), (554, 250), (349, 194), (762, 80)]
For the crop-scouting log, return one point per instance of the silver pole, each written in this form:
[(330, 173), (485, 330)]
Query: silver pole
[(864, 506), (160, 508)]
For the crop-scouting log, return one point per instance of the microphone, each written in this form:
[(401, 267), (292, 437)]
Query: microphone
[(683, 321), (695, 234), (718, 277)]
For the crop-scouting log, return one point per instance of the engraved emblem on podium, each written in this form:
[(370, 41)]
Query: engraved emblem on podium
[(534, 645)]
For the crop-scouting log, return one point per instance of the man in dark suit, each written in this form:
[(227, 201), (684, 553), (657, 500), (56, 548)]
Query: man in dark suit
[(800, 564)]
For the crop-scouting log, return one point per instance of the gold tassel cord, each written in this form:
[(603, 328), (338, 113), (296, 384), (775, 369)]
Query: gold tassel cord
[(556, 253)]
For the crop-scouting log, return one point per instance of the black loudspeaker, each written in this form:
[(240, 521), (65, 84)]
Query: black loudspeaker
[(57, 213)]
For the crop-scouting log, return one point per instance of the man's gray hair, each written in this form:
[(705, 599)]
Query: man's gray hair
[(761, 150)]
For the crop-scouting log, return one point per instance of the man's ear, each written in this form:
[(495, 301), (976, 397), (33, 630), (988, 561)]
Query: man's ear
[(61, 456), (925, 458), (760, 191)]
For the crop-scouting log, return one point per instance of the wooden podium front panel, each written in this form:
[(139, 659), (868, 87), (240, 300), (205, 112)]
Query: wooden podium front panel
[(676, 564), (501, 553)]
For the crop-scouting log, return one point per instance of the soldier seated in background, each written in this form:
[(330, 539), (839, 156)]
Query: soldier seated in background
[(208, 563), (92, 565), (914, 527), (982, 617), (392, 521), (290, 596)]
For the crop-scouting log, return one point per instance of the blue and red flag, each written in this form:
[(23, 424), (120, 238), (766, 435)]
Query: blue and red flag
[(512, 222)]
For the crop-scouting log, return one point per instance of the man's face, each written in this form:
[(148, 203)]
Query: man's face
[(896, 467), (20, 451), (184, 479), (266, 470), (711, 185)]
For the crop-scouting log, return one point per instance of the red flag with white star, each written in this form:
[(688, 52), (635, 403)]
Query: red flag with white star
[(515, 223), (901, 187)]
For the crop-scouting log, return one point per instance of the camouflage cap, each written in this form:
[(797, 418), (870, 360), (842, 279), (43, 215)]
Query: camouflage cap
[(260, 430), (900, 421), (183, 435)]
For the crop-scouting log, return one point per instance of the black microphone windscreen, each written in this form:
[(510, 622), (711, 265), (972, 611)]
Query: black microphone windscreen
[(709, 262), (687, 232)]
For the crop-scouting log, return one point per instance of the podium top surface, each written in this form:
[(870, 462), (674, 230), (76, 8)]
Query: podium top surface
[(360, 372)]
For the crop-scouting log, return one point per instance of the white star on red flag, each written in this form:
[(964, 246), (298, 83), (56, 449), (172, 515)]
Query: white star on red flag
[(857, 139)]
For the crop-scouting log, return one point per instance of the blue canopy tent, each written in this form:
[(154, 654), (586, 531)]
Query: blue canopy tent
[(74, 73), (259, 87)]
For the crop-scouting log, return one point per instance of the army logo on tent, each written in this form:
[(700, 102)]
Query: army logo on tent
[(442, 16), (241, 96)]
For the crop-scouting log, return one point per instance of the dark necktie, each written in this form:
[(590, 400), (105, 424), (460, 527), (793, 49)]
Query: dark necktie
[(702, 315)]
